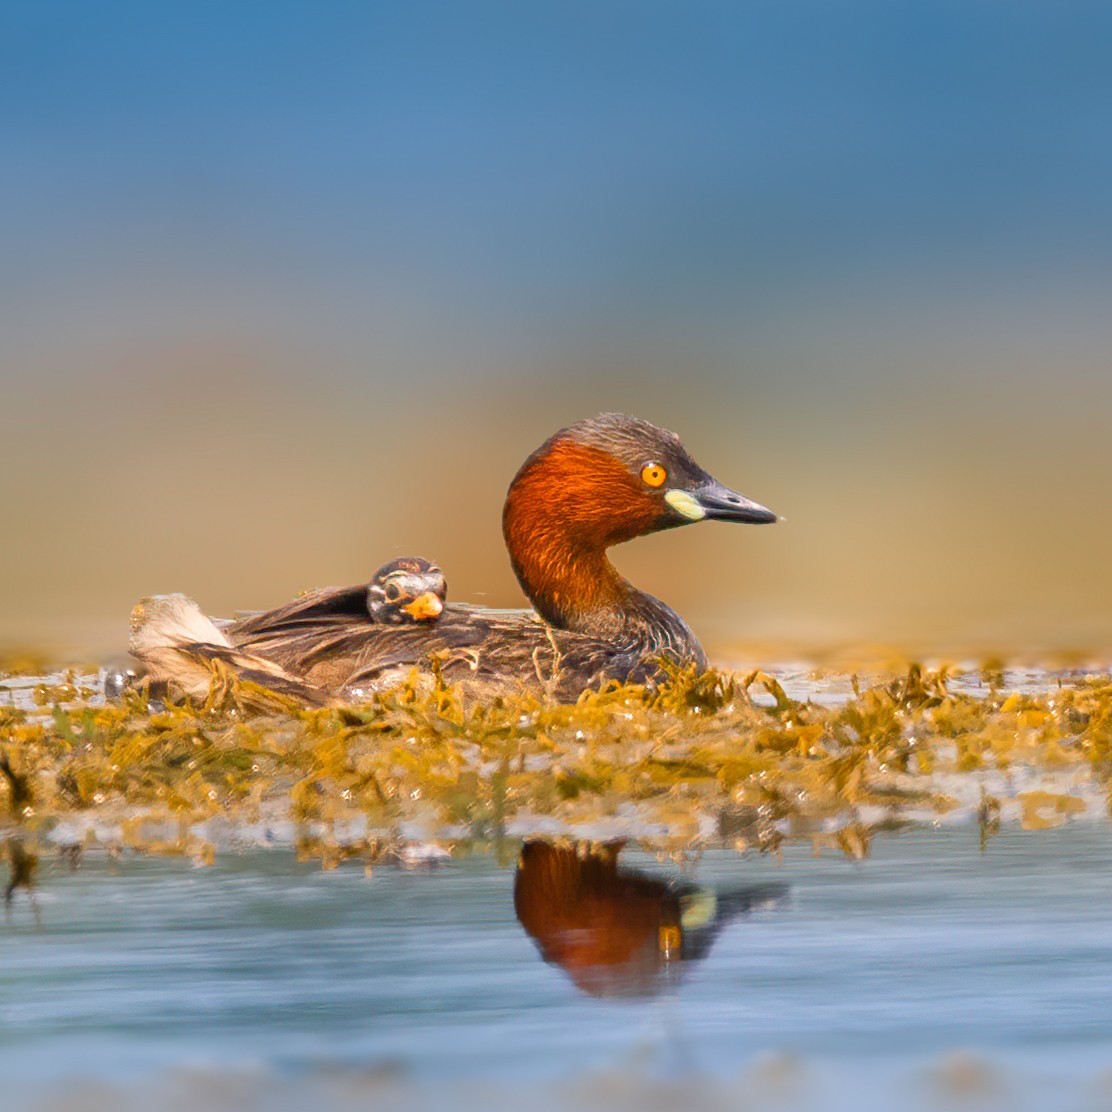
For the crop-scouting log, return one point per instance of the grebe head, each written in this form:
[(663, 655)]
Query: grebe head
[(595, 484), (611, 478), (406, 590)]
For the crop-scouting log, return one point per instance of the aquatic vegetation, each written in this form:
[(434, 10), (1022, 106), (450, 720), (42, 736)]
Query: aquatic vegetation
[(712, 757)]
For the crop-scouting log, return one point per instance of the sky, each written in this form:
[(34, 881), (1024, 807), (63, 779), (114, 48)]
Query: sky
[(286, 287)]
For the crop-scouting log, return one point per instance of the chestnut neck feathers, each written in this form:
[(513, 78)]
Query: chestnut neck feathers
[(576, 496)]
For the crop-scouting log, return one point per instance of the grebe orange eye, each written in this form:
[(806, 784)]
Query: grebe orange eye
[(653, 474)]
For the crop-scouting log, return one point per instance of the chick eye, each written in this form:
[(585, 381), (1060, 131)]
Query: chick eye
[(393, 592), (653, 474)]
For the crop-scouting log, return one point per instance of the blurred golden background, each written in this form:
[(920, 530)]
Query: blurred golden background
[(289, 293)]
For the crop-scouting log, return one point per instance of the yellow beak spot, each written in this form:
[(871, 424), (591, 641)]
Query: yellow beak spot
[(683, 503)]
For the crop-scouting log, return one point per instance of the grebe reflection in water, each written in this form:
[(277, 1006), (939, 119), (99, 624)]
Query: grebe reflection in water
[(616, 931)]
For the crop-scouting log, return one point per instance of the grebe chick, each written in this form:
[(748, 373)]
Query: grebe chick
[(409, 589), (590, 486), (404, 591)]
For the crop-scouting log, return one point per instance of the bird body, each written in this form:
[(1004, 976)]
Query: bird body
[(487, 651)]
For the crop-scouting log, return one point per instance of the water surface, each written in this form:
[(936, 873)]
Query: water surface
[(931, 969)]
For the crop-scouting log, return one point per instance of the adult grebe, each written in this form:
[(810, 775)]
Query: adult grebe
[(592, 485)]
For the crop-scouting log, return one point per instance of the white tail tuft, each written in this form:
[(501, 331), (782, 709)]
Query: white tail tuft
[(161, 627)]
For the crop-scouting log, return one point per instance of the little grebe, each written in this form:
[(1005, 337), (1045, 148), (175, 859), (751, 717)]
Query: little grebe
[(592, 485)]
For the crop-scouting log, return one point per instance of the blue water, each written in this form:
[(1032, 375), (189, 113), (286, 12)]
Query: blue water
[(860, 972)]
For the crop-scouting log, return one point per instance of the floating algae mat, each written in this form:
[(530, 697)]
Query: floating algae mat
[(744, 761)]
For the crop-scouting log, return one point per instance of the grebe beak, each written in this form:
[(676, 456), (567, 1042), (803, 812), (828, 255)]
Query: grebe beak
[(715, 502), (424, 607)]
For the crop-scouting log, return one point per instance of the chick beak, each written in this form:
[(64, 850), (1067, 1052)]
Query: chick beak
[(425, 607)]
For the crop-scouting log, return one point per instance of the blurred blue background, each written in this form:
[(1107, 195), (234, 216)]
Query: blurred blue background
[(291, 288)]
